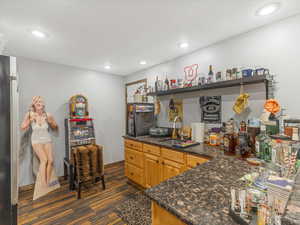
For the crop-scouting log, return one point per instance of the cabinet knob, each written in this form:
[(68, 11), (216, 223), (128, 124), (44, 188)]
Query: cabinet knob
[(131, 157), (157, 161), (198, 164), (163, 162), (131, 174)]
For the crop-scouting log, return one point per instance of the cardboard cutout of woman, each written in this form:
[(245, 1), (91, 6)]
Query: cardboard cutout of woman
[(40, 122)]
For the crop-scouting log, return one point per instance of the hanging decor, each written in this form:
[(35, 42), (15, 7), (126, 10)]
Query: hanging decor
[(175, 109), (211, 109), (241, 102)]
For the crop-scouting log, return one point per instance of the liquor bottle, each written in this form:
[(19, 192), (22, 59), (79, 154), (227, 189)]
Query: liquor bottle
[(243, 126), (210, 78), (229, 144), (243, 146), (267, 149), (263, 145), (229, 141)]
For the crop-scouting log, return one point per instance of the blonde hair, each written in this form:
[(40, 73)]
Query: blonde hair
[(36, 99)]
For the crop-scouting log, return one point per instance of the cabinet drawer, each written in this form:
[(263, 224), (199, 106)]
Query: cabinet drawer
[(134, 157), (171, 169), (133, 144), (172, 155), (134, 173), (193, 161), (151, 149)]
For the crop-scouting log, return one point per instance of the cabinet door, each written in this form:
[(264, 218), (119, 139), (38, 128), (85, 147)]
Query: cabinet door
[(171, 169), (152, 170), (193, 161), (134, 157), (134, 173)]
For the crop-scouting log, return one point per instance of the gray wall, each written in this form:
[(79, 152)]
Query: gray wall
[(275, 46), (57, 83)]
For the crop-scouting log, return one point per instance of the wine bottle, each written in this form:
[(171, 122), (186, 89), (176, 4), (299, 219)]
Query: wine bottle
[(210, 75)]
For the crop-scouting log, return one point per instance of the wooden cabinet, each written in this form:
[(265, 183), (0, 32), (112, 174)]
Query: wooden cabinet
[(134, 173), (193, 161), (134, 157), (161, 216), (152, 170), (171, 169), (148, 165), (173, 163), (133, 145), (151, 149), (134, 161), (173, 155)]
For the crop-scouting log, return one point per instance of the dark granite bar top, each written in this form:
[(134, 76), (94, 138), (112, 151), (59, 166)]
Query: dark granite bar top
[(201, 196), (292, 213)]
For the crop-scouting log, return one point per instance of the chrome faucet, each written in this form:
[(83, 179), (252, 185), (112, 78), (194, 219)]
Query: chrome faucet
[(174, 135)]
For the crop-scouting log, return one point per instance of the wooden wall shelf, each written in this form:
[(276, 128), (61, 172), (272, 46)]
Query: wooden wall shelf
[(217, 85)]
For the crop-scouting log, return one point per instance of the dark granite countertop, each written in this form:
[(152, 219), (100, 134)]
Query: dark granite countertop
[(201, 196), (201, 150)]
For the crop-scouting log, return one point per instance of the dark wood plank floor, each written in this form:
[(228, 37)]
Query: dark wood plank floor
[(62, 207)]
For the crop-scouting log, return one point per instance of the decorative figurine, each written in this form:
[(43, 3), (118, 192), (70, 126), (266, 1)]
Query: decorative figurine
[(38, 122)]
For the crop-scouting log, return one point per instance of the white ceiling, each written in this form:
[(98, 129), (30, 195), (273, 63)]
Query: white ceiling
[(91, 33)]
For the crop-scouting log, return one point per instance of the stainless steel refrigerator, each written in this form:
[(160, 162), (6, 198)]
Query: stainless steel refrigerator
[(9, 140)]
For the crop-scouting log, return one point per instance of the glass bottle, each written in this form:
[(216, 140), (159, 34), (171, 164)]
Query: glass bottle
[(229, 144), (243, 146), (267, 149), (258, 141), (263, 145), (156, 84), (210, 78)]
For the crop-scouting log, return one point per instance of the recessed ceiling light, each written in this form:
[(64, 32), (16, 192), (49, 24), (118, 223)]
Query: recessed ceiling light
[(108, 67), (38, 33), (268, 9), (184, 45), (143, 62)]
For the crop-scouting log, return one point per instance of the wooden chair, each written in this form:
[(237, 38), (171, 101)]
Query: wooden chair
[(88, 163)]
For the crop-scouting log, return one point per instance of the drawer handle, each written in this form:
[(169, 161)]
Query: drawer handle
[(197, 164), (163, 162), (131, 157)]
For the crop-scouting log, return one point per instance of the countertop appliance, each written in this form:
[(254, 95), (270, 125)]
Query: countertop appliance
[(140, 118), (160, 132)]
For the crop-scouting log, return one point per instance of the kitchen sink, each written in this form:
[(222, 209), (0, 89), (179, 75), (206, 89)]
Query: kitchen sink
[(178, 143), (171, 141)]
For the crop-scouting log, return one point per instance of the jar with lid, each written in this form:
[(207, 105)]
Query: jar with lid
[(214, 139)]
